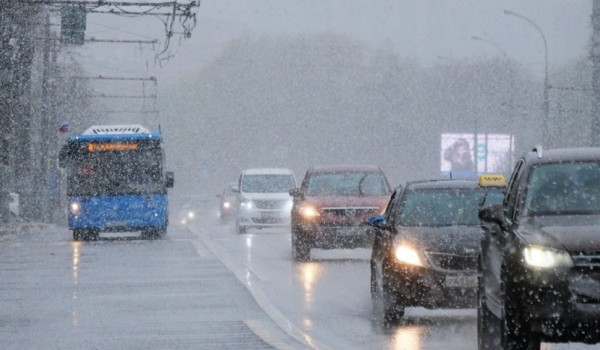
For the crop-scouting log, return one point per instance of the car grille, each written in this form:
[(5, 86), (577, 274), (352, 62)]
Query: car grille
[(586, 259), (280, 204), (350, 211), (268, 220), (455, 262)]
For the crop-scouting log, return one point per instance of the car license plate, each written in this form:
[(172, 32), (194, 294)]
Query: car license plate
[(461, 281)]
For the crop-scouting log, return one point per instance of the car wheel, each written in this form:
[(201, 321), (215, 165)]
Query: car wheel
[(377, 292), (488, 325), (388, 307), (240, 229), (393, 304), (515, 332), (300, 248)]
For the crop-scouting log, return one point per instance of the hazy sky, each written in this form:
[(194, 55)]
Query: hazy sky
[(431, 31), (424, 29)]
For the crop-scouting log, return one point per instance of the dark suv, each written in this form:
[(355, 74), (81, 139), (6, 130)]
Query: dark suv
[(426, 244), (540, 254)]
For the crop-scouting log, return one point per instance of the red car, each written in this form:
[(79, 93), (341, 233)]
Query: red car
[(332, 206)]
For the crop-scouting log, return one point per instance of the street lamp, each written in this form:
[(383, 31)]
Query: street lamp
[(512, 83), (546, 104), (478, 38)]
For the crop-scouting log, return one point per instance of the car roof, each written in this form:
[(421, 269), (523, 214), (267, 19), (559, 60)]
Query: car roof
[(441, 184), (344, 168), (539, 156), (267, 171)]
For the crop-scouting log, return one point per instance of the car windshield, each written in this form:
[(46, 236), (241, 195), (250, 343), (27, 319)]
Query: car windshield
[(445, 207), (268, 183), (347, 184), (564, 189)]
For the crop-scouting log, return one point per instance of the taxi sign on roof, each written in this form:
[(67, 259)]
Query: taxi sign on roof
[(492, 180)]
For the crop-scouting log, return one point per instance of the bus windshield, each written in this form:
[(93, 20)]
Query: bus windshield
[(116, 172)]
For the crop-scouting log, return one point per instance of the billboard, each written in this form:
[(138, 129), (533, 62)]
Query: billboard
[(469, 155)]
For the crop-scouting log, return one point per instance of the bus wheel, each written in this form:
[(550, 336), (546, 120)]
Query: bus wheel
[(78, 235), (161, 233), (153, 233)]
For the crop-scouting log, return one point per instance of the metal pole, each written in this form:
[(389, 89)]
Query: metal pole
[(478, 38), (546, 102), (595, 56)]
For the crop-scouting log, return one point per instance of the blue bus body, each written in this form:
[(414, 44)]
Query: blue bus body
[(116, 182), (119, 213)]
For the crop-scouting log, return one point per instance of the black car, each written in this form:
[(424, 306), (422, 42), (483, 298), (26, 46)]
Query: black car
[(540, 254), (426, 244)]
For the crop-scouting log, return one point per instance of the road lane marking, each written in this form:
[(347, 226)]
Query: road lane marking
[(267, 336), (259, 296)]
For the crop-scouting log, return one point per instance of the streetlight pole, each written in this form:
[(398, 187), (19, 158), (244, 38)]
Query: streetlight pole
[(512, 87), (546, 104), (478, 38)]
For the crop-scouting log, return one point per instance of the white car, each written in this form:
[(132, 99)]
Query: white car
[(264, 199)]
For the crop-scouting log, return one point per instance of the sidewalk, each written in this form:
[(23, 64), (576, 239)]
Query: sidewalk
[(11, 228)]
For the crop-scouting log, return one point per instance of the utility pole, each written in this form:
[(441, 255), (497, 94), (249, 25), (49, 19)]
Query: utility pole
[(595, 56), (34, 87), (546, 102)]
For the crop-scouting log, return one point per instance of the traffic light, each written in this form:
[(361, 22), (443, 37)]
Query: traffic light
[(72, 24)]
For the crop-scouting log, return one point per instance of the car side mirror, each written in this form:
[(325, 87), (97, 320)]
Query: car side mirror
[(493, 214), (169, 179), (236, 190), (294, 192), (378, 221)]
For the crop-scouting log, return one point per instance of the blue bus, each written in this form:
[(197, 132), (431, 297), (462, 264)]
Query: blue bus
[(116, 181)]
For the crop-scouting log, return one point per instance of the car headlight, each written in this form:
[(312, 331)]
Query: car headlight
[(308, 212), (75, 207), (407, 254), (246, 204), (226, 205), (191, 215), (545, 258)]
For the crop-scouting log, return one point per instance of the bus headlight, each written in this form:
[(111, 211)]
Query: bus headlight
[(75, 207)]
